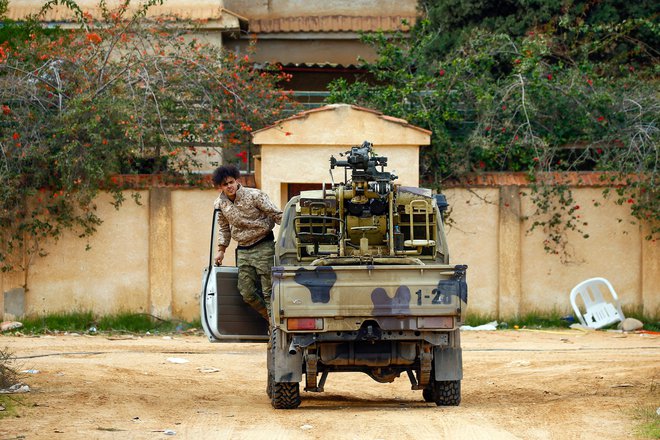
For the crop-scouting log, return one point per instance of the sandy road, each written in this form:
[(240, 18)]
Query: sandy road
[(517, 385)]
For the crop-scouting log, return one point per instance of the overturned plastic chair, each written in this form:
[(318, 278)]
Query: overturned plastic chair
[(599, 313)]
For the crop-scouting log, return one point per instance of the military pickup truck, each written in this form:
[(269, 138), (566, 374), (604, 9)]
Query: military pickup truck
[(361, 283)]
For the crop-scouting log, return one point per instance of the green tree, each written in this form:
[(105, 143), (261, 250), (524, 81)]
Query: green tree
[(500, 102), (456, 19), (79, 106)]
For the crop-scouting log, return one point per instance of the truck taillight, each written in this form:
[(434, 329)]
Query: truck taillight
[(304, 324), (435, 322)]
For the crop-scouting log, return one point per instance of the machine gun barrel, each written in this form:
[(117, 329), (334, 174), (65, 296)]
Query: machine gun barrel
[(362, 163)]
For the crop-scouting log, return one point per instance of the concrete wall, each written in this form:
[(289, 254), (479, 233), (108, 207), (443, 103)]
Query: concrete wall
[(150, 258), (510, 273)]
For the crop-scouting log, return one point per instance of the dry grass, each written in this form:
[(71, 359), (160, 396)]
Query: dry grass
[(8, 374)]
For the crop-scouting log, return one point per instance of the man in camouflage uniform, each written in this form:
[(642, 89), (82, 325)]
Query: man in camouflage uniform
[(248, 216)]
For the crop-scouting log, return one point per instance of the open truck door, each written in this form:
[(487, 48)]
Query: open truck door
[(225, 316)]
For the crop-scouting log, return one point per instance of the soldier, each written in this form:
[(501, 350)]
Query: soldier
[(248, 216)]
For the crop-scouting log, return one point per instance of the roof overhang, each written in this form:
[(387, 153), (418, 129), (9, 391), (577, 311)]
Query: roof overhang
[(207, 15)]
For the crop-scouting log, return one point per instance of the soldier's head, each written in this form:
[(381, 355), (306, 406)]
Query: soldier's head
[(225, 178)]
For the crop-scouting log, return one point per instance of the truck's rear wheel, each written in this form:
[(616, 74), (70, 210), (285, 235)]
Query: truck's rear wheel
[(446, 392), (285, 395)]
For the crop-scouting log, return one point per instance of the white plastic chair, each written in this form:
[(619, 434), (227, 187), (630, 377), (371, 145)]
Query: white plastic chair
[(599, 313)]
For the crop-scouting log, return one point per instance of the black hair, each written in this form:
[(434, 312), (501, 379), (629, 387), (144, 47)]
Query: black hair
[(221, 173)]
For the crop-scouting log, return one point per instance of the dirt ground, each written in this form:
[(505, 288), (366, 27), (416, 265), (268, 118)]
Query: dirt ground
[(518, 385)]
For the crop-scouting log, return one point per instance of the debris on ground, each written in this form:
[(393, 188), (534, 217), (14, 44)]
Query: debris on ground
[(5, 326), (16, 389), (631, 324), (175, 360), (520, 363), (490, 326)]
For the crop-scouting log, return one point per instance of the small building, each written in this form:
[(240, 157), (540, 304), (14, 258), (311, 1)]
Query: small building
[(295, 152), (317, 41)]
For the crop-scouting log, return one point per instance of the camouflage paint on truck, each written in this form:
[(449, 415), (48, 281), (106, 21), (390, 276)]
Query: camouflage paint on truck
[(362, 282)]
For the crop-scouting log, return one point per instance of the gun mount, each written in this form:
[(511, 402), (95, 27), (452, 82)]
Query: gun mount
[(363, 162), (368, 217)]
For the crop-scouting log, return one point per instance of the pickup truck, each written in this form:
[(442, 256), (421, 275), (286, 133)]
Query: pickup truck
[(361, 283)]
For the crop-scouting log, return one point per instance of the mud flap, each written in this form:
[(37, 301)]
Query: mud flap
[(448, 363), (287, 367)]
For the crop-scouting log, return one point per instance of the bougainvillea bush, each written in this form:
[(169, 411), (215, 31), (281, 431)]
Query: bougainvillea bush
[(119, 94)]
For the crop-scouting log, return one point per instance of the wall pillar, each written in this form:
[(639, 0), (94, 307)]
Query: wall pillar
[(160, 252), (509, 243), (650, 273), (13, 294)]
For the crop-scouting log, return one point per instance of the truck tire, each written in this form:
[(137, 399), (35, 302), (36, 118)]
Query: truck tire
[(285, 395), (446, 392)]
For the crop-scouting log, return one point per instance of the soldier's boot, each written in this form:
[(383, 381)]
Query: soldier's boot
[(260, 308)]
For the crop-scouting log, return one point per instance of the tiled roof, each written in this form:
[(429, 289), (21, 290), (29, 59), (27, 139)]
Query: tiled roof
[(330, 23), (320, 66), (332, 107)]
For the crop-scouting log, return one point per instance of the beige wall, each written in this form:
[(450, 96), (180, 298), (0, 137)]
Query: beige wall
[(150, 258), (509, 271), (112, 275)]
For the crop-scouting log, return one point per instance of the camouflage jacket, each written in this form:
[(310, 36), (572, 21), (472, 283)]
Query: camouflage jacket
[(247, 219)]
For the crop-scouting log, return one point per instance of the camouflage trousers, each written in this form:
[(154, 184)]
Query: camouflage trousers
[(254, 269)]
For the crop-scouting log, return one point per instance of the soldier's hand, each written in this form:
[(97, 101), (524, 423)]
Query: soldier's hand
[(219, 257)]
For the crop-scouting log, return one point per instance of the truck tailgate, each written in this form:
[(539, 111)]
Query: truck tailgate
[(369, 290)]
